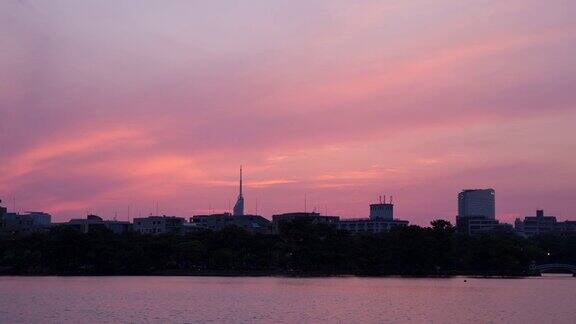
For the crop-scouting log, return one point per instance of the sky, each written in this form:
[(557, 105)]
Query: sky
[(114, 106)]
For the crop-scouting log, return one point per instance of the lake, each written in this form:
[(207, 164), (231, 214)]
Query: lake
[(286, 300)]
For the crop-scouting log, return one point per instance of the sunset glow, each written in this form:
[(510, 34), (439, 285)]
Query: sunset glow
[(110, 106)]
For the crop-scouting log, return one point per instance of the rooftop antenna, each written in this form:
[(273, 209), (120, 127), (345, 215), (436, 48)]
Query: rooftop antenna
[(380, 198), (14, 202), (384, 198), (157, 214), (391, 200), (305, 203)]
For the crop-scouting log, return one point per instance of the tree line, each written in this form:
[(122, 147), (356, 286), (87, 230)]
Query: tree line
[(300, 248)]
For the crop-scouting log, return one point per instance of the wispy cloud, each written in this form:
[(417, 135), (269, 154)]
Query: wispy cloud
[(339, 100)]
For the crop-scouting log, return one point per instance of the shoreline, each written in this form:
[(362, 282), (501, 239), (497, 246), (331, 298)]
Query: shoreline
[(283, 275)]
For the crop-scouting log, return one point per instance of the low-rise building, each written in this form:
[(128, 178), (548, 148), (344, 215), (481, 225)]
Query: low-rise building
[(542, 224), (313, 217), (30, 222), (22, 223), (40, 218), (381, 220), (94, 222), (157, 225), (382, 211), (567, 227), (217, 222), (367, 225), (190, 228), (476, 225)]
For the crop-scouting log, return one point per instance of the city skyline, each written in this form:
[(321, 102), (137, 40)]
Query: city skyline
[(334, 101), (482, 205), (281, 161)]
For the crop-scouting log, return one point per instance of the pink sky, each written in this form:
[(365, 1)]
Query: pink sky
[(110, 104)]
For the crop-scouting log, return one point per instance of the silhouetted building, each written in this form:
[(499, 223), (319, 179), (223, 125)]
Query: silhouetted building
[(239, 206), (367, 225), (567, 227), (477, 212), (477, 225), (519, 226), (94, 223), (313, 217), (3, 210), (30, 222), (381, 220), (477, 202), (40, 218), (158, 225), (542, 224), (24, 223), (539, 224), (217, 222), (189, 228), (503, 228), (14, 223), (474, 225), (382, 211)]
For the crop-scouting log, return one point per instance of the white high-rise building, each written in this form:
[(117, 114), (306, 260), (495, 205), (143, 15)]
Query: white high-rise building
[(477, 203)]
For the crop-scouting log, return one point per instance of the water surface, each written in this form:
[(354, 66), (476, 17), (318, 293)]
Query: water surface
[(286, 300)]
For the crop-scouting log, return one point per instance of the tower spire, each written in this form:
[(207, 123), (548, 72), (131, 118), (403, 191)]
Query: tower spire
[(239, 206), (240, 180)]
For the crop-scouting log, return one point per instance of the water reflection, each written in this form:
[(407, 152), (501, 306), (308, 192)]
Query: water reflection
[(551, 298)]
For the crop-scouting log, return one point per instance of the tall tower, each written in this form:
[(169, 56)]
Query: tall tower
[(239, 207)]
